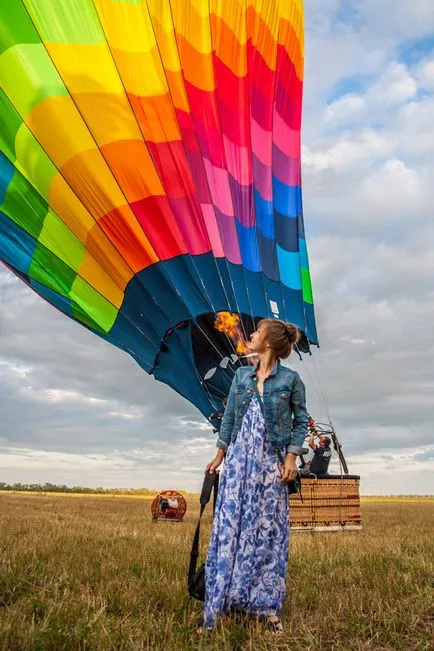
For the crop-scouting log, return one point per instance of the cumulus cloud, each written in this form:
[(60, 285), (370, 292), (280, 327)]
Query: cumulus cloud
[(345, 109), (347, 151), (394, 86), (394, 20), (425, 75)]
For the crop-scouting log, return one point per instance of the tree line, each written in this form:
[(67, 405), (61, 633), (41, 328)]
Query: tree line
[(63, 488)]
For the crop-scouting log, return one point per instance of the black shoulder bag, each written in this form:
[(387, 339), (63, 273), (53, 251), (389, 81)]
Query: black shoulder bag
[(294, 486), (196, 579)]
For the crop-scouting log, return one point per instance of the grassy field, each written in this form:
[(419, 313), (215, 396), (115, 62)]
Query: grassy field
[(94, 573)]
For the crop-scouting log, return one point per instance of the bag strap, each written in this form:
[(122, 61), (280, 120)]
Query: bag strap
[(261, 404), (210, 484), (278, 452)]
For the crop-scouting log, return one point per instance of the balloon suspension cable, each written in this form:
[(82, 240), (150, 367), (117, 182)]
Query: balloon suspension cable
[(211, 398), (321, 393), (206, 385), (245, 337), (238, 356), (222, 356), (313, 383), (242, 337), (322, 385), (316, 383)]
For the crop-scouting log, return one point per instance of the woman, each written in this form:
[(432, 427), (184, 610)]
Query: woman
[(248, 553)]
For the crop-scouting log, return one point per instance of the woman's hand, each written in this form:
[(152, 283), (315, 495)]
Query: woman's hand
[(216, 462), (289, 469)]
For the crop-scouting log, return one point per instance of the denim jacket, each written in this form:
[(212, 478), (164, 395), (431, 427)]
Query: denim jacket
[(285, 414)]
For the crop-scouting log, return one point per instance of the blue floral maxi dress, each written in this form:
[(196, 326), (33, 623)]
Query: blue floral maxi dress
[(248, 552)]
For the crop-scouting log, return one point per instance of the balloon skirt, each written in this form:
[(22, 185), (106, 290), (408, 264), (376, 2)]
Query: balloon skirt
[(248, 552)]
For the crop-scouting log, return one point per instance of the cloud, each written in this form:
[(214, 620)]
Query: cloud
[(394, 86), (345, 109), (392, 20), (425, 75), (347, 151), (382, 472)]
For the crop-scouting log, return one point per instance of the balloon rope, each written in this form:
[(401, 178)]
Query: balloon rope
[(320, 390), (244, 331), (229, 375), (212, 343), (205, 387), (321, 384), (312, 382), (207, 384)]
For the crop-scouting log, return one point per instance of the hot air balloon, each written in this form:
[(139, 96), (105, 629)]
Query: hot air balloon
[(150, 183)]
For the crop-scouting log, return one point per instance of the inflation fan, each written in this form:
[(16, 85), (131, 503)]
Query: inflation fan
[(168, 506)]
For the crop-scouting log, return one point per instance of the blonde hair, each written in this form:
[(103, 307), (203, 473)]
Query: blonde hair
[(281, 336)]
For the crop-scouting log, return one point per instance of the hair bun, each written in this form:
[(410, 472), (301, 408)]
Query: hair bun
[(280, 336), (292, 332)]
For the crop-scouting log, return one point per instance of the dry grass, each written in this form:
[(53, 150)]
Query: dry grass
[(96, 573)]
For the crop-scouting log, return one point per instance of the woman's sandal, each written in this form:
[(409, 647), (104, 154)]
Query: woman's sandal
[(275, 626)]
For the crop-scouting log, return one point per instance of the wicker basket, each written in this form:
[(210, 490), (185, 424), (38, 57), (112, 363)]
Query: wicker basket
[(329, 503)]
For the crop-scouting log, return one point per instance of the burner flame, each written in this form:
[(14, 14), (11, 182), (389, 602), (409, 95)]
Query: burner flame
[(229, 324)]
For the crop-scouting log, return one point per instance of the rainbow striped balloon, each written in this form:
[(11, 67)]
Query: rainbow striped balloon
[(150, 173)]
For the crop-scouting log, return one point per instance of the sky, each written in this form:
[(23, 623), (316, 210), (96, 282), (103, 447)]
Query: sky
[(78, 411)]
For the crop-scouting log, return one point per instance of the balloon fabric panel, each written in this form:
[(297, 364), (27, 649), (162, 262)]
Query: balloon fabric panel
[(150, 173)]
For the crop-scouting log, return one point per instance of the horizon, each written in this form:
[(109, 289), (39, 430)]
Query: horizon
[(156, 491), (77, 410)]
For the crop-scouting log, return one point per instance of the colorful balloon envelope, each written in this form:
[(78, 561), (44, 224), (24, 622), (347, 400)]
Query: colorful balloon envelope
[(150, 175)]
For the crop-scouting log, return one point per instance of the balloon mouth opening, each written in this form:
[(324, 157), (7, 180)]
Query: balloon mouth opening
[(220, 346), (220, 343), (217, 344), (208, 349)]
